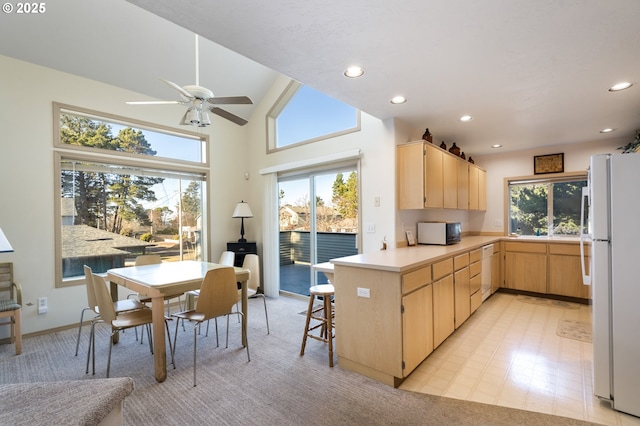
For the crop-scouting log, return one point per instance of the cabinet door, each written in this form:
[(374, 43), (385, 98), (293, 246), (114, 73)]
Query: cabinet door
[(443, 309), (417, 328), (565, 276), (473, 187), (410, 173), (526, 271), (450, 181), (482, 190), (461, 295), (463, 185), (433, 176), (495, 272)]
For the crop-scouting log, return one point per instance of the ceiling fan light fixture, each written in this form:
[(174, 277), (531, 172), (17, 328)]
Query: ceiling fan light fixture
[(466, 118), (396, 100), (496, 145), (620, 86), (206, 121), (193, 116), (607, 130)]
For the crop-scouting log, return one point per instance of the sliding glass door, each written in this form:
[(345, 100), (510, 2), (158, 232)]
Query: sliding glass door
[(315, 232)]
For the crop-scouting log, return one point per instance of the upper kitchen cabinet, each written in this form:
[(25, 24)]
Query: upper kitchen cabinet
[(429, 177), (477, 188)]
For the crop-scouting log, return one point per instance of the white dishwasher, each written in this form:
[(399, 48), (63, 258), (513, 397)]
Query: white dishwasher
[(487, 255)]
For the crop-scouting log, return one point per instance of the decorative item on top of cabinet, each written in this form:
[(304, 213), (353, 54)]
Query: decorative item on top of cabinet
[(455, 150), (464, 157), (471, 160), (427, 136), (443, 145)]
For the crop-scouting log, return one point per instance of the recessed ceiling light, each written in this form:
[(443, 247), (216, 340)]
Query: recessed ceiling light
[(620, 86), (497, 145), (398, 100), (466, 118), (607, 130), (354, 72)]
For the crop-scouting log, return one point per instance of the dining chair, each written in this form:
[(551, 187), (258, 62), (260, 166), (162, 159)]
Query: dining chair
[(118, 321), (227, 258), (218, 295), (92, 304), (252, 263), (11, 304)]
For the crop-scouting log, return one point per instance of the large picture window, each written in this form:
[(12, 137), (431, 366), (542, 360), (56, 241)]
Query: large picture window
[(547, 207), (116, 198)]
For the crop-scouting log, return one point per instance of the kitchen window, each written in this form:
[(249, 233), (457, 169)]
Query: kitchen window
[(546, 207)]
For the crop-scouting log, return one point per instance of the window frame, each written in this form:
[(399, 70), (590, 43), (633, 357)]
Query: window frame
[(532, 179), (272, 115), (63, 152)]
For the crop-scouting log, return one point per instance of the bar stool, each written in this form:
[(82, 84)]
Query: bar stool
[(324, 315)]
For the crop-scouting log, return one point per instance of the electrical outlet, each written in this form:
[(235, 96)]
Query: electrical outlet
[(498, 223), (371, 228), (42, 305)]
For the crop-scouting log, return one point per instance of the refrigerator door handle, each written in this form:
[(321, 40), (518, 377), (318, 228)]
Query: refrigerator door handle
[(586, 278)]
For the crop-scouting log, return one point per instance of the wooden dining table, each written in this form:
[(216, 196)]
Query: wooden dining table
[(167, 278)]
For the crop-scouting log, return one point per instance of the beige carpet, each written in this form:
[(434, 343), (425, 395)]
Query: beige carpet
[(547, 302), (276, 387), (576, 330)]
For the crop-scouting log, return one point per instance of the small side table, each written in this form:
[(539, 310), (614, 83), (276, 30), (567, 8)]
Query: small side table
[(241, 250)]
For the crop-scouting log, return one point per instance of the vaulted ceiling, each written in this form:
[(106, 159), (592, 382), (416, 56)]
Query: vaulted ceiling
[(530, 73)]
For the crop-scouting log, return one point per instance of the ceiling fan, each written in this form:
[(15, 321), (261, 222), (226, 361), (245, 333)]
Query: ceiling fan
[(200, 100)]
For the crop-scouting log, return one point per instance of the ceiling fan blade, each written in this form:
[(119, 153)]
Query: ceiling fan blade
[(183, 92), (229, 116), (152, 102), (229, 100)]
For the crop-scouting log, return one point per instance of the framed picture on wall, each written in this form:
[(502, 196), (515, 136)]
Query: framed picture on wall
[(410, 240), (552, 163)]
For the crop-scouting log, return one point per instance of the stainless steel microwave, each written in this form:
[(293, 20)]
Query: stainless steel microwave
[(441, 233)]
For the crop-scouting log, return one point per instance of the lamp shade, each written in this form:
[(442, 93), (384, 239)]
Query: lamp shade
[(242, 210), (5, 246)]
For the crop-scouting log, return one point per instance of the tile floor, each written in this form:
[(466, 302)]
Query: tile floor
[(508, 353)]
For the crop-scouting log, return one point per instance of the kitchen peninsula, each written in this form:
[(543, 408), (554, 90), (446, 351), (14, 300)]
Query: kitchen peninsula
[(394, 307)]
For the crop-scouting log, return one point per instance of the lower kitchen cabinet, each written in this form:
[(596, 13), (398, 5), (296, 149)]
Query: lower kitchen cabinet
[(417, 327), (443, 309), (461, 289), (526, 266), (565, 271)]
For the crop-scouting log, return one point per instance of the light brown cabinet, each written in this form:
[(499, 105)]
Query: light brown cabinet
[(526, 266), (387, 334), (495, 268), (475, 279), (463, 185), (443, 301), (546, 268), (429, 177), (477, 188), (461, 288), (417, 327), (565, 271)]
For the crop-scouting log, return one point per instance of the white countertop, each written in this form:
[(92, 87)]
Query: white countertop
[(406, 258)]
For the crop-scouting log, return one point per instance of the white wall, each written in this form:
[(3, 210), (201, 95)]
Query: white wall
[(27, 180)]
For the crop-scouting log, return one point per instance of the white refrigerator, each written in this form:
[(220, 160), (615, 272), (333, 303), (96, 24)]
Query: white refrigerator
[(613, 230)]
